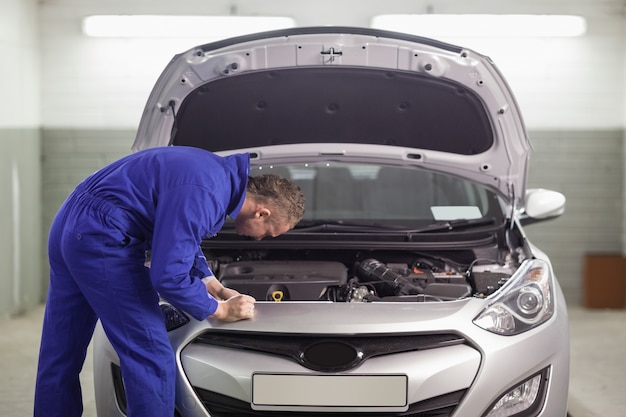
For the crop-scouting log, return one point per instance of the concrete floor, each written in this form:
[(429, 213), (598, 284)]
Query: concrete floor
[(598, 365)]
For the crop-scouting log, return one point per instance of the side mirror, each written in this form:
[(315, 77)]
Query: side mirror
[(542, 205)]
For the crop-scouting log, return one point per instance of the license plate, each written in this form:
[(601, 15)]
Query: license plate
[(329, 390)]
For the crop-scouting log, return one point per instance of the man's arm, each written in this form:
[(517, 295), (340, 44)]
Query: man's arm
[(217, 290)]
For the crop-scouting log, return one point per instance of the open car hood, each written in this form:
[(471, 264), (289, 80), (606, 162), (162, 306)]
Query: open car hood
[(344, 93)]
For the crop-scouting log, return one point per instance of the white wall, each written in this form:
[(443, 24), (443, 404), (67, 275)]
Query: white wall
[(568, 82), (20, 219), (19, 63)]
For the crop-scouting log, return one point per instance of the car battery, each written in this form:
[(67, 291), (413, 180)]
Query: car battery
[(487, 282), (283, 280), (440, 285)]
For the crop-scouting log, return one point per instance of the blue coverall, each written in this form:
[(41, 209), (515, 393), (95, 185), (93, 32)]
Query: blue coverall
[(165, 200)]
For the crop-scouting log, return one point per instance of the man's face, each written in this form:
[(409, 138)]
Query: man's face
[(259, 227)]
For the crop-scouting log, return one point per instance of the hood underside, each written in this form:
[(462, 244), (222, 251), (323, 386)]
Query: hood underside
[(338, 105), (448, 105)]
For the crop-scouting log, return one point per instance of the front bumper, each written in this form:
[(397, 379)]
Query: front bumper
[(463, 379)]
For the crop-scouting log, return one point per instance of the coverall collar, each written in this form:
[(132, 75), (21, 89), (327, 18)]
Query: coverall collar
[(240, 170)]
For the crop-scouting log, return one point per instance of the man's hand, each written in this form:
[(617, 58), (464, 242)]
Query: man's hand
[(232, 305), (235, 308)]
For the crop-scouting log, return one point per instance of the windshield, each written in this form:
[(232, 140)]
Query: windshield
[(368, 194)]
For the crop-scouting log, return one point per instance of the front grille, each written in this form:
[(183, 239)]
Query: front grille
[(222, 406), (294, 346)]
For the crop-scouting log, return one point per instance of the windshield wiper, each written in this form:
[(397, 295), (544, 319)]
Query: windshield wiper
[(455, 225), (345, 226), (365, 226)]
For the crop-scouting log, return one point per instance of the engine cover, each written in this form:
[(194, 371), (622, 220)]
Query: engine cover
[(284, 280)]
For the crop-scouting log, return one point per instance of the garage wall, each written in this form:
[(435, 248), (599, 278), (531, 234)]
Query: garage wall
[(570, 90), (624, 147), (68, 156), (587, 167), (20, 219)]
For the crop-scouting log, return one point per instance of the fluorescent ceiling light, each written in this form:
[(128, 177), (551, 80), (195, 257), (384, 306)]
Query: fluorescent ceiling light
[(482, 25), (165, 26)]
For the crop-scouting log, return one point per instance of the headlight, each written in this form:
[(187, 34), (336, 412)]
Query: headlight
[(173, 317), (525, 302)]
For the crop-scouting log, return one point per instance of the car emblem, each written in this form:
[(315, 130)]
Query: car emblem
[(330, 356)]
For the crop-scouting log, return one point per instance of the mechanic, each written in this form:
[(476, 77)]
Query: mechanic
[(163, 200)]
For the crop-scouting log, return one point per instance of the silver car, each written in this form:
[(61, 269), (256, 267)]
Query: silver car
[(409, 287)]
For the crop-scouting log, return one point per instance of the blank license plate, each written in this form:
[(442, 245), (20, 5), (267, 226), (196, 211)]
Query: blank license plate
[(330, 390)]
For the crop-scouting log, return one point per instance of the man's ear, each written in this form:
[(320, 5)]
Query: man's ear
[(263, 212)]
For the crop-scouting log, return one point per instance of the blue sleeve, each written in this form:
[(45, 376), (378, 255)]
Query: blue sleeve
[(183, 216), (200, 268)]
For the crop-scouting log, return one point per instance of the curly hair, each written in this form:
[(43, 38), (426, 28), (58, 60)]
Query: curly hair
[(282, 195)]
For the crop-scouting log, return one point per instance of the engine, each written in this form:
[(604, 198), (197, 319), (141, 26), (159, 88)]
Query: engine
[(365, 280)]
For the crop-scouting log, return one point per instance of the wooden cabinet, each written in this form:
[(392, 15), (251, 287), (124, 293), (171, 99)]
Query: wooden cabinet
[(604, 281)]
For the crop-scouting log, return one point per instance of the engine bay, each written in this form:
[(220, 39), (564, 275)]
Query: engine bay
[(363, 276)]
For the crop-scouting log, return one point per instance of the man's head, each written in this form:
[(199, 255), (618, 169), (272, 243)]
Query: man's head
[(273, 205)]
